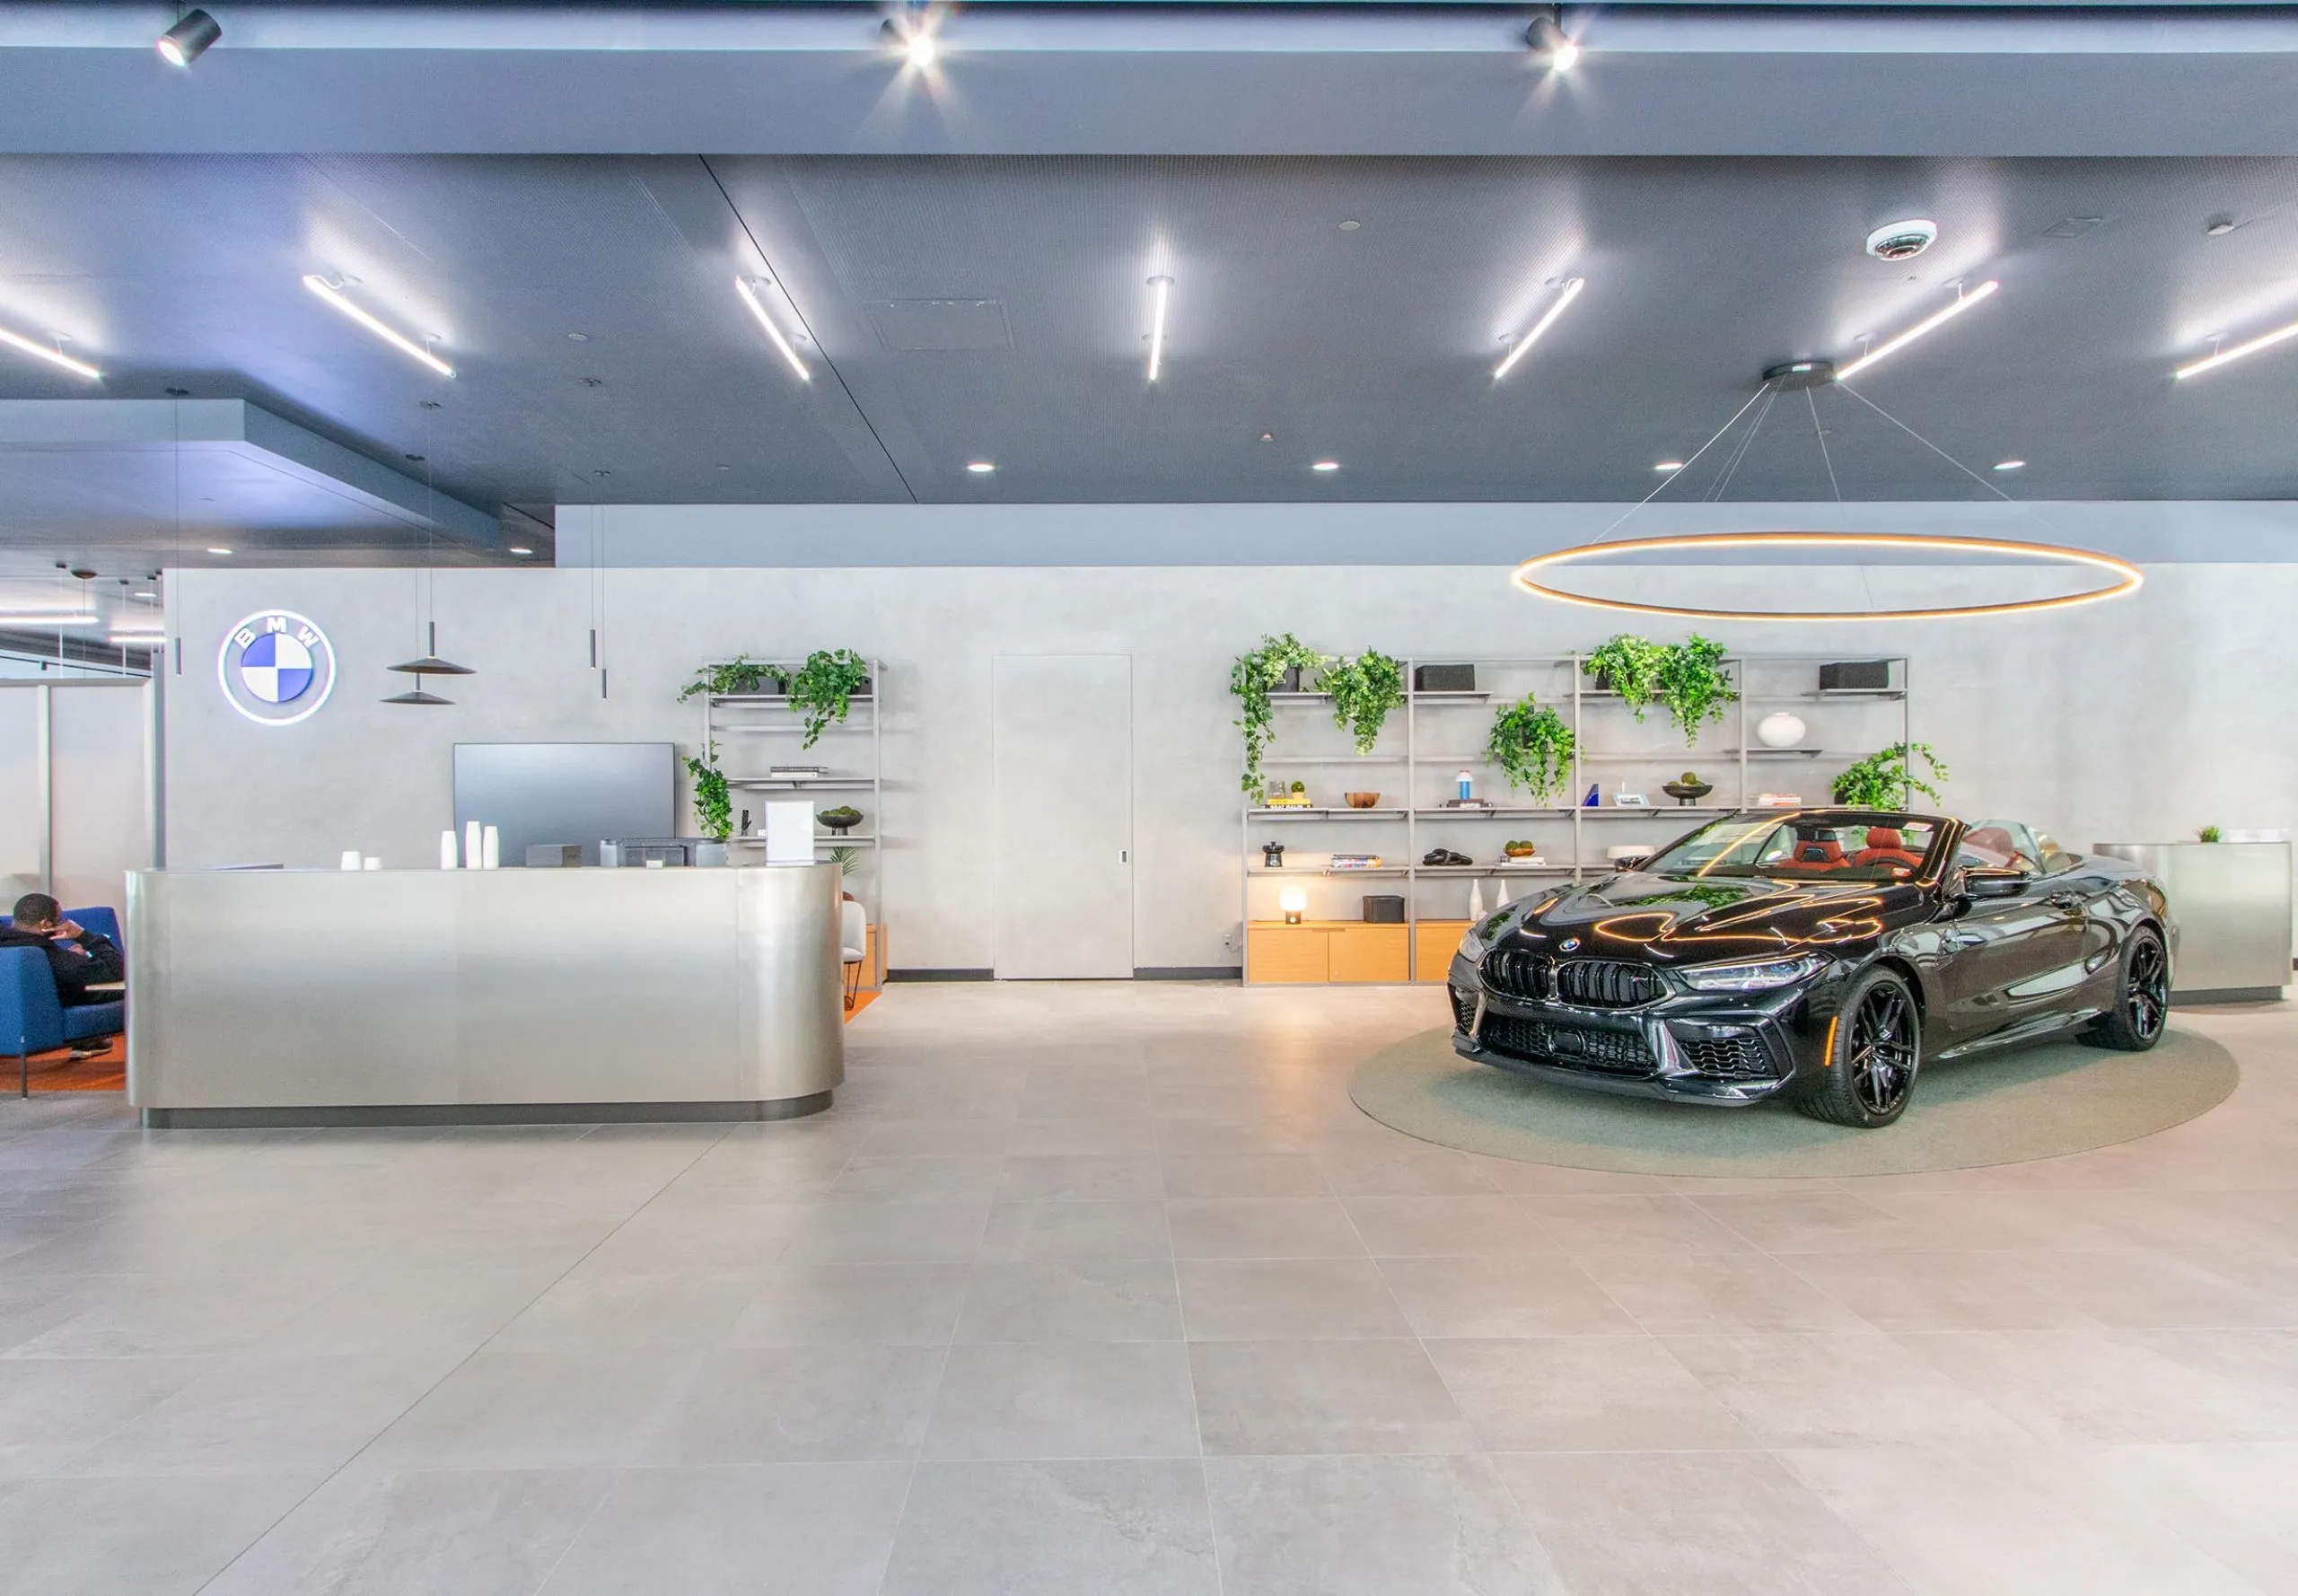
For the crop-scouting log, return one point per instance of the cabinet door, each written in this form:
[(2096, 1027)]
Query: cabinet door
[(1369, 952), (1289, 954), (1435, 941)]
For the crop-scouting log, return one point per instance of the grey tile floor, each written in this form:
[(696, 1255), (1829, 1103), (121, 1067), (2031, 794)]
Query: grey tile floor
[(1110, 1289)]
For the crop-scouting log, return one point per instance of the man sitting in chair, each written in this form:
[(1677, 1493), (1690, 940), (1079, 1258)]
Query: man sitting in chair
[(78, 957)]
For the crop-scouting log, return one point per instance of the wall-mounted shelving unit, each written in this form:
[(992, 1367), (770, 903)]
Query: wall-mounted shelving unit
[(1436, 735), (755, 732)]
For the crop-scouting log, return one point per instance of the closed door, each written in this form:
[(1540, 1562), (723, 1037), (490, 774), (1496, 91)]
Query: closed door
[(1062, 763)]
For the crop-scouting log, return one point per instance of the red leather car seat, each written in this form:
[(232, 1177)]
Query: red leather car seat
[(1885, 846), (1819, 854)]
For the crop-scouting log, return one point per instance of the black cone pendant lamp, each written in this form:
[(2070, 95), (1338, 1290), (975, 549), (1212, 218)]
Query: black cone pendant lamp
[(430, 664)]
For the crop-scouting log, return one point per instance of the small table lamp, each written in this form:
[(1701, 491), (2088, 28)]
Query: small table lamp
[(1292, 900)]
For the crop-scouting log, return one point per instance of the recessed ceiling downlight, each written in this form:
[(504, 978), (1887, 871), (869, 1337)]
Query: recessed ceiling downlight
[(1902, 241), (2010, 464), (1326, 465), (981, 468)]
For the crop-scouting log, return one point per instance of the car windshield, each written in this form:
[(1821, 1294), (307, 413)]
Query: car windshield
[(1867, 848)]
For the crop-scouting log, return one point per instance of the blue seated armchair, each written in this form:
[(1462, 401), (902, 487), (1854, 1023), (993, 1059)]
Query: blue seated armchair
[(32, 1019)]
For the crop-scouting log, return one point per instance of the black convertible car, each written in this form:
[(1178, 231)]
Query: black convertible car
[(1818, 955)]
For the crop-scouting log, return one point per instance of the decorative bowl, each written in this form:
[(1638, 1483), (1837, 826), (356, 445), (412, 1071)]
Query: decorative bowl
[(842, 819), (1362, 799), (1519, 850), (1686, 792)]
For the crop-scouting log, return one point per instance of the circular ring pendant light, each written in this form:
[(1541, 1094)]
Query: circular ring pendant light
[(2119, 577), (2124, 578)]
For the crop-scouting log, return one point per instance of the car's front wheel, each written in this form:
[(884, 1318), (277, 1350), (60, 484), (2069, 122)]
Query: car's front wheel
[(2141, 996), (1872, 1052)]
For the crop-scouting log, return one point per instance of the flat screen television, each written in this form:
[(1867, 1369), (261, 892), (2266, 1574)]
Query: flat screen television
[(565, 793)]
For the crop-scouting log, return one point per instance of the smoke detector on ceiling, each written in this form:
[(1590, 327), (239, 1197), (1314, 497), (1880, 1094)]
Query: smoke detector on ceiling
[(1902, 241)]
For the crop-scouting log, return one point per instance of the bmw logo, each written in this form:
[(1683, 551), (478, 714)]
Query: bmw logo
[(276, 668), (1570, 943)]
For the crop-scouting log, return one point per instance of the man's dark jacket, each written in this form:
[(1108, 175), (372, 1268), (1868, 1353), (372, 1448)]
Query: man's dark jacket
[(90, 958)]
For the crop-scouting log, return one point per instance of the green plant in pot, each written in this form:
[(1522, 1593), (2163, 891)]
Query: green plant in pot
[(1882, 780), (1533, 746), (1364, 690), (1629, 666), (713, 804), (819, 689), (2208, 834), (1252, 678), (740, 675), (1694, 685)]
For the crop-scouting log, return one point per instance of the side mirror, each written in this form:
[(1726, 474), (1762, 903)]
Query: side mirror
[(1980, 884)]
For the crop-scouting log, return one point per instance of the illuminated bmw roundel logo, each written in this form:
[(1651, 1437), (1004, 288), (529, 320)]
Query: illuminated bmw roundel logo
[(276, 668)]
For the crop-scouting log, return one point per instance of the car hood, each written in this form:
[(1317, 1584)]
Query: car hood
[(1673, 920)]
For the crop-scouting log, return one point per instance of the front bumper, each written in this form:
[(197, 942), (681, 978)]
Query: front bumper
[(1726, 1049)]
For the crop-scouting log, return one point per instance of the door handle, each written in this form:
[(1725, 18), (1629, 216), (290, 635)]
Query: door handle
[(1964, 940), (2066, 902)]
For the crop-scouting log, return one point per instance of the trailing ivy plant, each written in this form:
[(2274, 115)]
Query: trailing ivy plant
[(1883, 780), (819, 689), (1533, 746), (1364, 690), (713, 805), (1631, 666), (1252, 678), (743, 674), (1694, 685)]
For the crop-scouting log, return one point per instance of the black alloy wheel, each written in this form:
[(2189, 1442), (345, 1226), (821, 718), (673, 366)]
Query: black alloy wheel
[(2142, 1006), (1877, 1046)]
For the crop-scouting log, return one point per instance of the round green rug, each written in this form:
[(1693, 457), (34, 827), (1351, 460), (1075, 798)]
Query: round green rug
[(2006, 1108)]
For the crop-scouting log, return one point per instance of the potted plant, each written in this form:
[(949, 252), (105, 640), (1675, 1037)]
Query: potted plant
[(819, 689), (1364, 690), (1629, 666), (1252, 678), (742, 675), (1887, 779), (849, 860), (1694, 685), (1533, 746), (713, 805), (2208, 834)]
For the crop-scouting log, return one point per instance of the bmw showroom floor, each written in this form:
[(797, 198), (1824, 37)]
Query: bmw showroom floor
[(1111, 1289)]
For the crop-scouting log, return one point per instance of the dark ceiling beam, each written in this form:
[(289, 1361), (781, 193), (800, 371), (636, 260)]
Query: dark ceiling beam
[(1329, 80)]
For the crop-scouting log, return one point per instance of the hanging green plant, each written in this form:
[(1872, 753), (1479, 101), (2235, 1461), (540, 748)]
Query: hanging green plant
[(1629, 666), (1533, 746), (713, 805), (741, 674), (1694, 684), (1364, 690), (820, 688), (1885, 780), (1252, 678)]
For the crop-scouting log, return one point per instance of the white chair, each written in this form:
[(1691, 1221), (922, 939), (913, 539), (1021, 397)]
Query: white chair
[(854, 948)]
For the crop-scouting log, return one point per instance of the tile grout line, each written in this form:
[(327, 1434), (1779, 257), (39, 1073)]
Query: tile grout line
[(460, 1364)]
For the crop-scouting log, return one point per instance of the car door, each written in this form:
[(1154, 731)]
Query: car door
[(2009, 958)]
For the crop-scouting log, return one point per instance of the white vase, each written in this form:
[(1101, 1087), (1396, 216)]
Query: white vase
[(1476, 900), (1499, 896), (1780, 729)]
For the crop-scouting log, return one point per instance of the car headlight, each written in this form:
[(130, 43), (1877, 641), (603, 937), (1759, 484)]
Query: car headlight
[(1754, 975), (1473, 948)]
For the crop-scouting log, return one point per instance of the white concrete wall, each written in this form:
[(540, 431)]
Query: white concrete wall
[(2133, 721)]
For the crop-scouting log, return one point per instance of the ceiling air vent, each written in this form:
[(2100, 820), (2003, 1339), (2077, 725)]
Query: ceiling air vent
[(941, 324)]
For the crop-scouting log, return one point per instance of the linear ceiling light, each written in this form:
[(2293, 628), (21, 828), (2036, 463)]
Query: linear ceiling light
[(50, 617), (750, 298), (2265, 340), (1963, 301), (1572, 286), (1162, 287), (396, 340), (80, 368), (188, 40)]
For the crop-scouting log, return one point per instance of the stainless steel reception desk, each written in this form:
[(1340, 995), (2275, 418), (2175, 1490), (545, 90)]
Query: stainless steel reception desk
[(443, 996), (2231, 900)]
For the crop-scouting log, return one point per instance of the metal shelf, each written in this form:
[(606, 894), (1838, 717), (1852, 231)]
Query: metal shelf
[(1759, 679), (1307, 870), (852, 698), (803, 784)]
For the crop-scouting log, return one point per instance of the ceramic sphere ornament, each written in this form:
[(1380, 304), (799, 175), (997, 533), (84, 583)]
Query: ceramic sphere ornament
[(1780, 729)]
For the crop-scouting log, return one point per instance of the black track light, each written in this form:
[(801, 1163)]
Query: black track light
[(188, 40), (1548, 38)]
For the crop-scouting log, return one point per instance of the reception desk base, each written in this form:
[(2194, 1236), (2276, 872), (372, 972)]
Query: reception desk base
[(443, 1114), (483, 997)]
